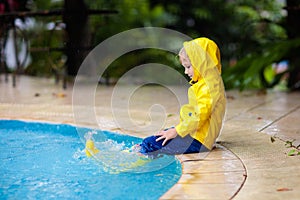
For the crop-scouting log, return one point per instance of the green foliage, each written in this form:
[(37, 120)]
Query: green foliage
[(144, 56), (43, 36), (246, 31), (131, 14), (250, 69), (46, 4), (294, 150), (49, 44), (238, 27)]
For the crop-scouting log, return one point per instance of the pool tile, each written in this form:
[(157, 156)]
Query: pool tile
[(201, 191), (235, 177), (212, 166)]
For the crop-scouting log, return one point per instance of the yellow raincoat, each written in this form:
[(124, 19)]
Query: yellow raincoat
[(202, 117)]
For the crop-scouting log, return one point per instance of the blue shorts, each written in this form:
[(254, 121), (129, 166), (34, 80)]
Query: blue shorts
[(177, 145)]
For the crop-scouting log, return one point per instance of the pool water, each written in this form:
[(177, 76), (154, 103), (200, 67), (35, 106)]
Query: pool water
[(47, 161)]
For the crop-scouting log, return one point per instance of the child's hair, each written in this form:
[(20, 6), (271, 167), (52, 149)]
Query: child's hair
[(182, 54)]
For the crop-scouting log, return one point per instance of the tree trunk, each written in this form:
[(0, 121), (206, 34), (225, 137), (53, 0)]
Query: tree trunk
[(78, 37), (293, 30)]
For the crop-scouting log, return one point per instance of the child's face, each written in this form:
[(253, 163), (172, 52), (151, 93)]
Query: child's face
[(188, 69)]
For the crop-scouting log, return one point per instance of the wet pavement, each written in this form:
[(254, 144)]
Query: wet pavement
[(250, 160)]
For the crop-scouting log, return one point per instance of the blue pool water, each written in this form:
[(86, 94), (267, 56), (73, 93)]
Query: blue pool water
[(47, 161)]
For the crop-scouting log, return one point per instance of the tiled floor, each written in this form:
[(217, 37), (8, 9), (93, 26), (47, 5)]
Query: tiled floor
[(245, 163)]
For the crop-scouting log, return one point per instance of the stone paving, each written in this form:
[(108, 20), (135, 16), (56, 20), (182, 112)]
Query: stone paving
[(250, 160)]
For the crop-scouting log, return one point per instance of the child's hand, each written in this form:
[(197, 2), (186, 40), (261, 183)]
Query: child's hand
[(166, 135)]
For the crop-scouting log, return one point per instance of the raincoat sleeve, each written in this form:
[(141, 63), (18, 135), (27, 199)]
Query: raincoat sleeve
[(196, 113)]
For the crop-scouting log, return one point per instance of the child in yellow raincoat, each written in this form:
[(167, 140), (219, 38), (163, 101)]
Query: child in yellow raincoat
[(201, 119)]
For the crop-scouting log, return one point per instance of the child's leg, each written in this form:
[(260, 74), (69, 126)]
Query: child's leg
[(149, 145), (178, 145)]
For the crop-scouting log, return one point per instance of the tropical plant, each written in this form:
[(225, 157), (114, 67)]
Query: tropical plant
[(251, 35), (250, 71)]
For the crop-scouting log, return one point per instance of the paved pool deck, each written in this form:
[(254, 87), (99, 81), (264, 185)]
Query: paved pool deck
[(249, 161)]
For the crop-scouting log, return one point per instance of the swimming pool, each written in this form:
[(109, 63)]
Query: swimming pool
[(47, 161)]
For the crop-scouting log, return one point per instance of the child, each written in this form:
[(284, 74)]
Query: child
[(201, 119)]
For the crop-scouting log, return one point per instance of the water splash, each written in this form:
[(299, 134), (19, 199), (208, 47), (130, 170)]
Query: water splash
[(117, 157)]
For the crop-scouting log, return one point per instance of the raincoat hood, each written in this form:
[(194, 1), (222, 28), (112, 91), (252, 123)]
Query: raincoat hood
[(204, 54)]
